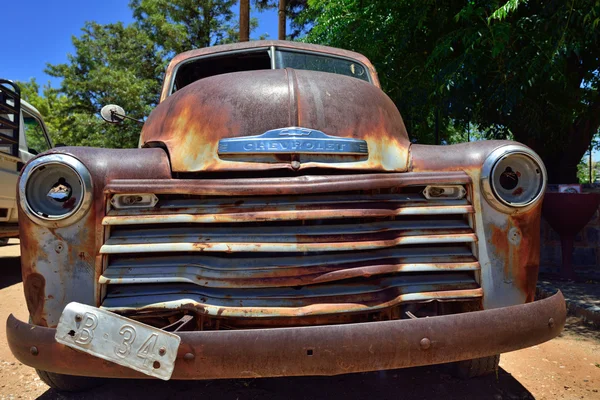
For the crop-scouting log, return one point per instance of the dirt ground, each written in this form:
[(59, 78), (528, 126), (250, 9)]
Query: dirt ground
[(567, 367)]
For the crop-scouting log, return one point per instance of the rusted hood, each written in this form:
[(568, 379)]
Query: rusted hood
[(191, 122)]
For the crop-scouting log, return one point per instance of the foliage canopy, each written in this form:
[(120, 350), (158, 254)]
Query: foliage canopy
[(526, 67)]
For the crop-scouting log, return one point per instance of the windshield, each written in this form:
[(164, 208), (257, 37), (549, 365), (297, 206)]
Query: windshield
[(318, 62), (200, 68)]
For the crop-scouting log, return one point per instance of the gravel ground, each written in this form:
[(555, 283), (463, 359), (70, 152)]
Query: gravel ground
[(567, 367)]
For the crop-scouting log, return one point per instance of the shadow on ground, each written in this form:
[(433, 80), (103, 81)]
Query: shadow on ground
[(576, 326), (10, 269), (582, 291), (413, 383)]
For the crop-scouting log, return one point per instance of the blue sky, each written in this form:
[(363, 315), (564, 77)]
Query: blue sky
[(41, 31)]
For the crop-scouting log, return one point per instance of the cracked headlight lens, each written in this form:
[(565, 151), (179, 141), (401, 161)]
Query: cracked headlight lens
[(513, 176), (55, 189)]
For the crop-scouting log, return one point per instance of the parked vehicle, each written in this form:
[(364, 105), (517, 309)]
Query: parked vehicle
[(277, 221), (23, 135)]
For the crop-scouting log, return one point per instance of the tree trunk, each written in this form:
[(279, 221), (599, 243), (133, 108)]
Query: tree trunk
[(281, 16), (561, 162), (244, 20), (581, 134)]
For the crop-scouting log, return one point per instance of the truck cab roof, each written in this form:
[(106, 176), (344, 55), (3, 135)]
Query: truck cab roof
[(259, 55)]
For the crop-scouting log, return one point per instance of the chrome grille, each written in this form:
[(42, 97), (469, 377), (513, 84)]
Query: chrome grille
[(289, 256)]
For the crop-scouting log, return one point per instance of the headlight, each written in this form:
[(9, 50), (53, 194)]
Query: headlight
[(55, 190), (513, 176)]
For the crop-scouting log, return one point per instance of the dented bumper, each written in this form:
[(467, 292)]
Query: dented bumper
[(317, 350)]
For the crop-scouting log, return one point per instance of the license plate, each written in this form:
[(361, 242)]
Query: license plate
[(118, 339)]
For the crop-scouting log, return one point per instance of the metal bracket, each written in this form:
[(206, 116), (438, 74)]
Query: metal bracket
[(176, 326)]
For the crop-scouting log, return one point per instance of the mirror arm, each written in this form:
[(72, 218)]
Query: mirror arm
[(114, 113)]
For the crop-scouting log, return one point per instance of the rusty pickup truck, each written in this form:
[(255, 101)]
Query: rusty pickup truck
[(277, 221)]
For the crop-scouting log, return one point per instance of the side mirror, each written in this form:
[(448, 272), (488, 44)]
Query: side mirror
[(113, 114)]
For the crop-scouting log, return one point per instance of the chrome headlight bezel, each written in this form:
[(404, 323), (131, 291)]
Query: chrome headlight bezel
[(78, 210), (488, 172)]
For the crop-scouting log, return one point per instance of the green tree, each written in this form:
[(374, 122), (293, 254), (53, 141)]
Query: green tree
[(47, 101), (124, 65), (112, 64), (293, 10), (181, 25), (583, 169), (526, 68)]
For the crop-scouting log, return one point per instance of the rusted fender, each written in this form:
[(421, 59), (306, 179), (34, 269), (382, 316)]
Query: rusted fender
[(509, 243), (317, 350), (60, 265)]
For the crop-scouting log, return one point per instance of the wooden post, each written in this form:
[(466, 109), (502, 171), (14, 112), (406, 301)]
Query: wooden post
[(244, 20), (281, 16)]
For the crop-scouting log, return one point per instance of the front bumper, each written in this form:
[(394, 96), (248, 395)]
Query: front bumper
[(316, 350)]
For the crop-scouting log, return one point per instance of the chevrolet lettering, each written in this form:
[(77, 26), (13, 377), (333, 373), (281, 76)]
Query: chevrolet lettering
[(293, 140)]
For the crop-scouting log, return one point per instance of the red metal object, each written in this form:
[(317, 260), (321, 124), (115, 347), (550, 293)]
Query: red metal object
[(567, 214), (317, 350)]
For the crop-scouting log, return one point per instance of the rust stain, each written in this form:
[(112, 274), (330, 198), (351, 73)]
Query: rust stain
[(364, 303), (520, 260), (191, 122), (70, 203), (529, 253), (104, 165), (302, 185), (499, 240), (34, 288)]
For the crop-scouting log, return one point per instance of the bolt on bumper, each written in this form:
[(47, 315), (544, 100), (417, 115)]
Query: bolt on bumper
[(316, 350)]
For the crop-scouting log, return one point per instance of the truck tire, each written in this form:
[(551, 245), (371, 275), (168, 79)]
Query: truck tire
[(69, 383), (476, 367)]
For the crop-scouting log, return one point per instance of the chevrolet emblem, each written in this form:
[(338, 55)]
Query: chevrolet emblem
[(293, 140)]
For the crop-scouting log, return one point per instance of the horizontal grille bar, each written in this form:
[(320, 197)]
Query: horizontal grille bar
[(287, 233), (292, 302), (273, 270), (283, 215), (146, 245), (300, 185), (215, 205), (213, 211)]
